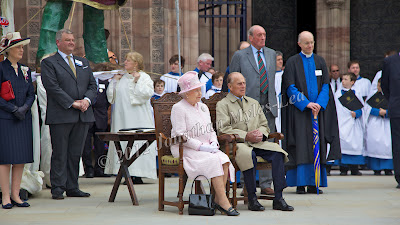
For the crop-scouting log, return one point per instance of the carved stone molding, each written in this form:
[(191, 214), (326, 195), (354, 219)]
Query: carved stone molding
[(335, 4)]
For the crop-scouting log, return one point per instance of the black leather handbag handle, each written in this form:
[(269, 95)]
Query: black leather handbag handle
[(191, 190)]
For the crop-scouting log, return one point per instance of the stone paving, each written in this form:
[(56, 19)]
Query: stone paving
[(367, 199)]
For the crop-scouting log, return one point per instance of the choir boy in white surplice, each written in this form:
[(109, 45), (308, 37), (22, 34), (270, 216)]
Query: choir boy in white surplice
[(362, 85), (217, 80), (351, 129), (171, 78), (378, 142)]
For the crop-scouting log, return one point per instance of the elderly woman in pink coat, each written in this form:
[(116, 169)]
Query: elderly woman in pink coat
[(201, 154)]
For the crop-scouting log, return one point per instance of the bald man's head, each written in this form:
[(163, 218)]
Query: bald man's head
[(306, 42)]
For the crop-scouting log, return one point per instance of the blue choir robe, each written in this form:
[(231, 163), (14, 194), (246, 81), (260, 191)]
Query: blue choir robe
[(305, 80)]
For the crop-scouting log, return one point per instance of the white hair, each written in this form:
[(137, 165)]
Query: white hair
[(204, 57)]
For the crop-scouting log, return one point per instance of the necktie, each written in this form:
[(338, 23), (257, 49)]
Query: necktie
[(335, 85), (71, 65), (263, 73)]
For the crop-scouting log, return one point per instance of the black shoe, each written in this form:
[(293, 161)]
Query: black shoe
[(230, 212), (57, 196), (239, 185), (48, 186), (137, 180), (101, 174), (281, 205), (356, 173), (254, 205), (377, 172), (300, 190), (23, 204), (7, 206), (89, 173), (313, 190), (398, 186), (388, 172), (328, 173), (77, 193), (343, 173)]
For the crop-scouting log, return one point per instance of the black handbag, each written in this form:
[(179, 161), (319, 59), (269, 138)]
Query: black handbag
[(201, 204)]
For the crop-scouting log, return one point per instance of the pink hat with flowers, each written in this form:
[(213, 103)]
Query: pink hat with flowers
[(189, 81)]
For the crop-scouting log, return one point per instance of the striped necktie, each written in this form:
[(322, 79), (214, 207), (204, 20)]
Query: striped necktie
[(71, 64), (263, 74)]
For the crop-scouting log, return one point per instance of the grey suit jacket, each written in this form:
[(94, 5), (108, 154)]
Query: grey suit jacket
[(63, 88), (243, 61)]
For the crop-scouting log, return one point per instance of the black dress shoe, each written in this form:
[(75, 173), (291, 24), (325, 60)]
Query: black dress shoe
[(230, 212), (388, 172), (313, 190), (300, 190), (57, 196), (89, 173), (7, 206), (377, 172), (101, 174), (281, 205), (398, 186), (254, 205), (77, 193), (343, 173), (23, 204), (356, 173)]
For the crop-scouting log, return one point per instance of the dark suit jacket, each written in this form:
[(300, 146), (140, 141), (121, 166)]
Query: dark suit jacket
[(63, 88), (243, 61), (23, 90), (390, 84), (100, 107)]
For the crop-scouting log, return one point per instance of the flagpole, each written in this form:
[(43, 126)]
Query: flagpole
[(178, 35)]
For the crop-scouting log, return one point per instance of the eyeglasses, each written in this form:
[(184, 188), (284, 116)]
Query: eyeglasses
[(335, 71)]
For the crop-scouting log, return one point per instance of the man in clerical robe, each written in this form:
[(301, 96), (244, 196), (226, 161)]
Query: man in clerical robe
[(305, 94)]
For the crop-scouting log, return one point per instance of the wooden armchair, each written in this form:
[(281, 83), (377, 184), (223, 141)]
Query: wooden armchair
[(229, 144), (166, 162)]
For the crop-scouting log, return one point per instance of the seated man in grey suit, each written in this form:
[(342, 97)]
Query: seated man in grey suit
[(242, 115), (71, 88)]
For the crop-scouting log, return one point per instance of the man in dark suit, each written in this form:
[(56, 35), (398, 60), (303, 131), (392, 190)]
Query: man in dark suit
[(100, 108), (390, 88), (70, 88), (257, 63)]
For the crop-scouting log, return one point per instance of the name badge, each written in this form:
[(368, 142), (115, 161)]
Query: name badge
[(318, 72), (102, 86)]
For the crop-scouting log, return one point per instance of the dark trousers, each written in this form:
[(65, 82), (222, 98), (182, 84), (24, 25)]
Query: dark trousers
[(67, 141), (99, 151), (395, 128), (278, 171)]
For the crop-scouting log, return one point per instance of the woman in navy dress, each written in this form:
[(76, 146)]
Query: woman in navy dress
[(16, 147)]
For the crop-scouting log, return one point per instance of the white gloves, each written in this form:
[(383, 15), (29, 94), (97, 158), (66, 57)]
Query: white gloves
[(215, 144), (213, 148)]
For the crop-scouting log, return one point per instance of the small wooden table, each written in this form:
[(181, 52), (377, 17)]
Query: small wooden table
[(124, 158)]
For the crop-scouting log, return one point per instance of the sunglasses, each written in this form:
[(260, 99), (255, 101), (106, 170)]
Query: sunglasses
[(335, 70)]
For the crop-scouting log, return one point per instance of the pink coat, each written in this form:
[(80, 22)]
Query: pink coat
[(195, 123)]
